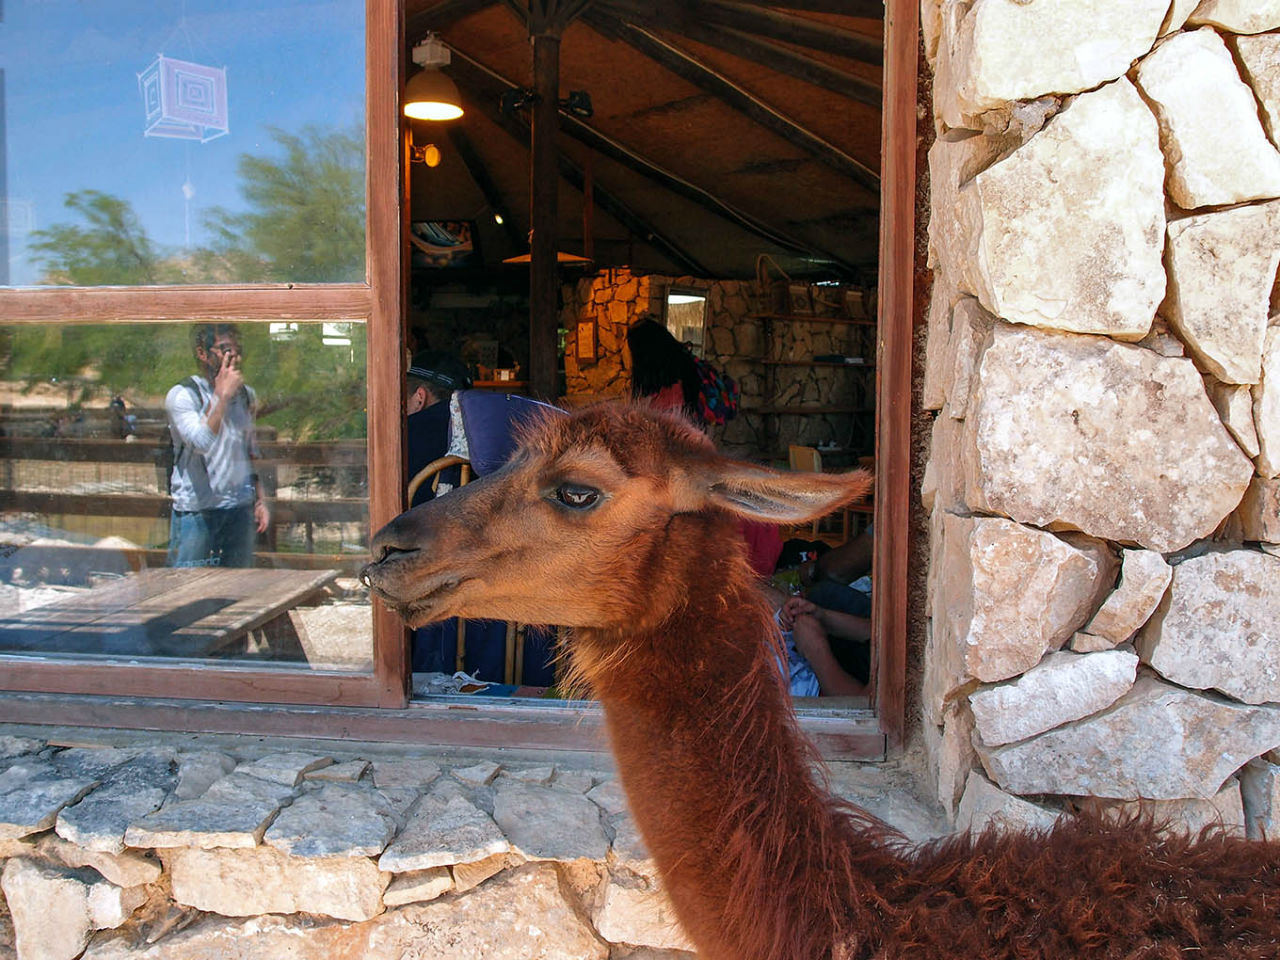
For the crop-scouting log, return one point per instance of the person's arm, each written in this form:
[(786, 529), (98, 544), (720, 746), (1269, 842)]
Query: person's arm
[(811, 640), (847, 562), (844, 624), (226, 384)]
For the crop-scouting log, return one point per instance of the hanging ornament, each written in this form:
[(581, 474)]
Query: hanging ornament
[(183, 100)]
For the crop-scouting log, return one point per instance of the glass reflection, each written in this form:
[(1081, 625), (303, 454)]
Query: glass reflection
[(185, 490), (201, 141)]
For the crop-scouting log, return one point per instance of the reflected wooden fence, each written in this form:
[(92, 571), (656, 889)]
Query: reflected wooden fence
[(344, 461)]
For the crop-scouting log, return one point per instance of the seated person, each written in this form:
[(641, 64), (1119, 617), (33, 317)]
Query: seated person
[(430, 382), (841, 579), (828, 652)]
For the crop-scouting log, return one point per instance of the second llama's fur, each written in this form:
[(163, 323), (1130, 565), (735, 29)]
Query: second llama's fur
[(622, 525)]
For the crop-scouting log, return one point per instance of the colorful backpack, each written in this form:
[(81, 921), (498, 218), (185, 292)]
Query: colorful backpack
[(717, 394)]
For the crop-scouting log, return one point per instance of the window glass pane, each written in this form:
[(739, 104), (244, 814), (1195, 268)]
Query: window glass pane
[(132, 459), (200, 141)]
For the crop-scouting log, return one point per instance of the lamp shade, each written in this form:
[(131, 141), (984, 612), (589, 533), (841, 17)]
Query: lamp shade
[(430, 95)]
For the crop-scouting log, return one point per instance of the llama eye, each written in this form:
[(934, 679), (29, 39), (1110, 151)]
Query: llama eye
[(577, 497)]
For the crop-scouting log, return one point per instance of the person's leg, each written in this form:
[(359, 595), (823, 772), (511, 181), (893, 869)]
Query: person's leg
[(188, 539), (232, 533)]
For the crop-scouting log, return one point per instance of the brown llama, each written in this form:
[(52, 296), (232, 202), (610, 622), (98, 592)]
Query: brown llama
[(621, 524)]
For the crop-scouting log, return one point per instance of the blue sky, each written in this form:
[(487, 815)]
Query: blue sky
[(75, 116)]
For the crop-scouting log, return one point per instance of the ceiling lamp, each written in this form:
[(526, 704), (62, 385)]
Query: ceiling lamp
[(429, 94)]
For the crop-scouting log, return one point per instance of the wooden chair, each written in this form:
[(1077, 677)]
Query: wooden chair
[(810, 459)]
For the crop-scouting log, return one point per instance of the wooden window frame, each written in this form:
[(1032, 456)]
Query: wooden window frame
[(377, 303), (333, 705)]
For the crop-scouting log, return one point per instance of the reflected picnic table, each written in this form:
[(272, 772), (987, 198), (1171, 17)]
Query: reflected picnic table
[(188, 612)]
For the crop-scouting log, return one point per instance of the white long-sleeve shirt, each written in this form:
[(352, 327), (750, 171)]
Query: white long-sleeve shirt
[(210, 470)]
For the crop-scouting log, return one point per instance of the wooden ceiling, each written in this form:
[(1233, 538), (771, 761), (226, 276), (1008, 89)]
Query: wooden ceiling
[(722, 130)]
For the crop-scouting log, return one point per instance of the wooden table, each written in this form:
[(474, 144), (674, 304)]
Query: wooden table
[(188, 612)]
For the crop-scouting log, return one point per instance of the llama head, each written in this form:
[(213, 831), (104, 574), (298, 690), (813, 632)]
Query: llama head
[(580, 528)]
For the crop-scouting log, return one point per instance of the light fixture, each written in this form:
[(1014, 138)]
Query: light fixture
[(429, 94), (427, 153)]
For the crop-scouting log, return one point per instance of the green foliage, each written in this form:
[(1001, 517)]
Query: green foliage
[(305, 223)]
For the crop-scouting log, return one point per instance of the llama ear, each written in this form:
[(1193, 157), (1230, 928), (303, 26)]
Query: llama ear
[(779, 496)]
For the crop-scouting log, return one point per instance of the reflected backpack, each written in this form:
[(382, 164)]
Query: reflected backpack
[(717, 394), (167, 445)]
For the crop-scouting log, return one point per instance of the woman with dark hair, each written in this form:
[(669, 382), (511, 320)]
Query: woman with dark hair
[(662, 369)]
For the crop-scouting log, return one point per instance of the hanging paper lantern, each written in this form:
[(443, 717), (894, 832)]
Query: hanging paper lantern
[(184, 100)]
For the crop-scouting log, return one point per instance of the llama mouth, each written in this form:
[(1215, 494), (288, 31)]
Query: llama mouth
[(414, 598), (426, 606)]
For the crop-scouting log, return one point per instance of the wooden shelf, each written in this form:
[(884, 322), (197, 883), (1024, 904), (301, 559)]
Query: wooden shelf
[(805, 318)]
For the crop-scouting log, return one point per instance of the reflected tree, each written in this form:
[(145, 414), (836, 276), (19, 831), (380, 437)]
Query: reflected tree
[(110, 248)]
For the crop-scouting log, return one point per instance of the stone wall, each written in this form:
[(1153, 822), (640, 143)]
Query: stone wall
[(739, 336), (167, 854), (1104, 363)]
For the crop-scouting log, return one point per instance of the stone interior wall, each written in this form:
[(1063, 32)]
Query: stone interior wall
[(743, 328), (1104, 363), (162, 854)]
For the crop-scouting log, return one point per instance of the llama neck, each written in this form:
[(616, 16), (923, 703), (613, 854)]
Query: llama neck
[(756, 858)]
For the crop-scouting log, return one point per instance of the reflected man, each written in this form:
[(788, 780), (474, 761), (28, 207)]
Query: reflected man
[(218, 501)]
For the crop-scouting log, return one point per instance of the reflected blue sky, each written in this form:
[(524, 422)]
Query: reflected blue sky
[(75, 119)]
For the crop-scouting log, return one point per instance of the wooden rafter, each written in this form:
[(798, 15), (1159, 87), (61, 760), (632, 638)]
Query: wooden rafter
[(864, 9), (485, 93), (694, 71), (790, 29), (441, 16), (473, 74), (750, 47), (480, 174)]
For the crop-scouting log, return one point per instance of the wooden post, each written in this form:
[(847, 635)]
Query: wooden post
[(544, 273)]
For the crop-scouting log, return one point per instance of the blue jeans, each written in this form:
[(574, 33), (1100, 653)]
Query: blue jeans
[(212, 538)]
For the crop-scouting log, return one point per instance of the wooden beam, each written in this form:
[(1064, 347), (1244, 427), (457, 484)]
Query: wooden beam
[(473, 74), (480, 174), (485, 88), (789, 28), (750, 47), (694, 71), (893, 369), (440, 16), (544, 216)]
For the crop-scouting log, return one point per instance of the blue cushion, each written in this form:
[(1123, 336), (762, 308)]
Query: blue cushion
[(489, 420)]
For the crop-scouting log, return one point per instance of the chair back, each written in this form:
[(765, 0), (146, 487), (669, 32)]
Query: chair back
[(804, 458)]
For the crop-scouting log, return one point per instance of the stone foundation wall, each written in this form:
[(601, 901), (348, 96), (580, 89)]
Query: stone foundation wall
[(738, 337), (1104, 363), (165, 854)]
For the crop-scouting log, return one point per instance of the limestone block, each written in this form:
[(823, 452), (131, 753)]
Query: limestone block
[(338, 820), (1234, 403), (575, 781), (1067, 231), (1259, 512), (198, 771), (1197, 93), (1060, 688), (1008, 595), (1219, 626), (1260, 793), (287, 768), (11, 746), (942, 486), (128, 869), (1224, 811), (955, 158), (1158, 741), (348, 771), (954, 756), (34, 805), (418, 886), (1161, 340), (1260, 58), (50, 910), (1179, 11), (1221, 269), (469, 875), (1081, 642), (242, 883), (1238, 16), (1084, 433), (1144, 577), (546, 824), (628, 851), (404, 773), (478, 926), (1266, 406), (933, 389), (535, 775), (477, 774), (1019, 51), (441, 832), (985, 806), (970, 328), (608, 796), (234, 812), (99, 821), (931, 27), (635, 910)]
